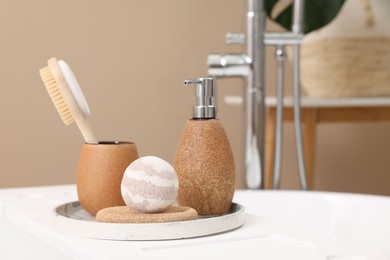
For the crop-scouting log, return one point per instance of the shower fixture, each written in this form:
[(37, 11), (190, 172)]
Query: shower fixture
[(251, 67)]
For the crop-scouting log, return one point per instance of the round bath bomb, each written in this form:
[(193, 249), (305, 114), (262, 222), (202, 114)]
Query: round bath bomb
[(149, 185)]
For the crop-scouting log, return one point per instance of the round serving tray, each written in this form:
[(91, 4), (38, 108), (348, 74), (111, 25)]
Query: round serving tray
[(72, 219)]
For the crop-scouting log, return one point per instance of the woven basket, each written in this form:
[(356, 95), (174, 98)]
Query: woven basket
[(346, 67)]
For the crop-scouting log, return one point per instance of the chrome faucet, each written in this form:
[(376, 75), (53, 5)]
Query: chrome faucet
[(251, 67)]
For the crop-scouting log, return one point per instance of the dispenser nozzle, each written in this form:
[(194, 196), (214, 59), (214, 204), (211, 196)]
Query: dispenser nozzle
[(205, 100)]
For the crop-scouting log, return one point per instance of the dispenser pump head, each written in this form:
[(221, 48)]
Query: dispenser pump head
[(205, 100)]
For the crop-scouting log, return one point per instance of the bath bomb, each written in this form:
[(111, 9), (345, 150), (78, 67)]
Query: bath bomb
[(149, 185)]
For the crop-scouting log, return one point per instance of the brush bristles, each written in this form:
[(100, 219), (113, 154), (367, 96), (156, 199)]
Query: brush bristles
[(56, 96)]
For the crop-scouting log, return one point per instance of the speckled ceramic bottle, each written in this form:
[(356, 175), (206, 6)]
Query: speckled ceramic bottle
[(204, 160)]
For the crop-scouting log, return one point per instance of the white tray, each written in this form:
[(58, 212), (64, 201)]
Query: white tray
[(71, 218)]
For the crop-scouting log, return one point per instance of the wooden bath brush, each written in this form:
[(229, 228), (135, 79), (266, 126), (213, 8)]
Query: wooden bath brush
[(67, 96)]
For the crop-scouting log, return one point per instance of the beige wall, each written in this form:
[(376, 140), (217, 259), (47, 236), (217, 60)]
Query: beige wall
[(131, 58)]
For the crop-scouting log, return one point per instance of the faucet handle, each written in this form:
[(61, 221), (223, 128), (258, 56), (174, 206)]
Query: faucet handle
[(234, 38)]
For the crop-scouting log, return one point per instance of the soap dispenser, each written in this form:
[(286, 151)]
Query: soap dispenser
[(204, 160)]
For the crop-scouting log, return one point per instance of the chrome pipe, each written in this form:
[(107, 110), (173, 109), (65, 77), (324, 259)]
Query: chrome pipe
[(298, 16), (297, 28), (280, 55), (255, 102), (282, 38), (297, 118)]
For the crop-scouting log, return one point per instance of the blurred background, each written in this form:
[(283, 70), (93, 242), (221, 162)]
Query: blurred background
[(131, 58)]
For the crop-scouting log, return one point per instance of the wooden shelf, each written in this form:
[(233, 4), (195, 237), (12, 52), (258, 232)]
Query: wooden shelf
[(315, 111)]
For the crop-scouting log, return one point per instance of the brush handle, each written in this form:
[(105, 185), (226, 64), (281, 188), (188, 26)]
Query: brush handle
[(86, 130)]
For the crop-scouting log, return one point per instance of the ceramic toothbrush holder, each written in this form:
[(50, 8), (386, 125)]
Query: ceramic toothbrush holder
[(99, 174)]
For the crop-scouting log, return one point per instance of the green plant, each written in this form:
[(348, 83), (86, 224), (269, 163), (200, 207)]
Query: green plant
[(317, 13)]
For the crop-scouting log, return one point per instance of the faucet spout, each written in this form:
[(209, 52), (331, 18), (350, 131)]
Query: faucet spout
[(233, 65)]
